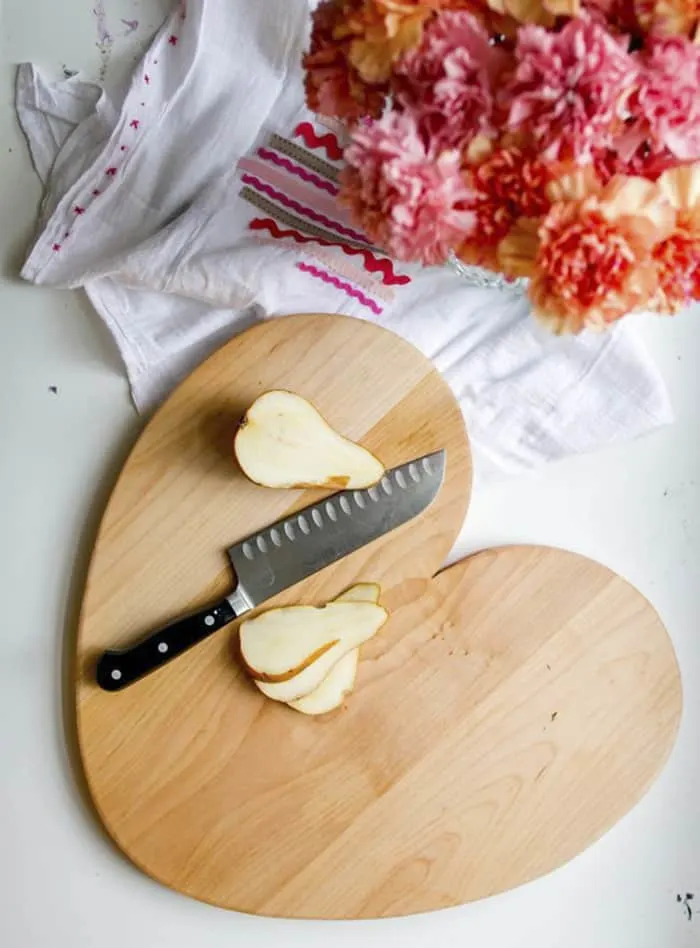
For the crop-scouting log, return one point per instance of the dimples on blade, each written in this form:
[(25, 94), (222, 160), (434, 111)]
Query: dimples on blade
[(298, 546)]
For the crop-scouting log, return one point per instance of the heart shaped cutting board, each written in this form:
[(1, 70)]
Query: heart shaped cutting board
[(513, 708)]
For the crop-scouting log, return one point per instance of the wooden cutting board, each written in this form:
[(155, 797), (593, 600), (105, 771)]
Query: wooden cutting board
[(512, 709)]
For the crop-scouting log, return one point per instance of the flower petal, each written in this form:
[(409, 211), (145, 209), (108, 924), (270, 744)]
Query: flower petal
[(681, 186)]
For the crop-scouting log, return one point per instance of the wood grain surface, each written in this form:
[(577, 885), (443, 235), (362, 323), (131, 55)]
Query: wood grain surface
[(512, 709), (180, 501)]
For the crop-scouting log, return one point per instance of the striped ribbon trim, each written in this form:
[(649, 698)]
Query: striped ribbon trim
[(281, 197), (292, 150), (291, 220), (296, 169)]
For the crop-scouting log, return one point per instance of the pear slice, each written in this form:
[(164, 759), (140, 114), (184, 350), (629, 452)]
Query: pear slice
[(335, 686), (284, 442), (295, 647), (361, 592), (340, 680)]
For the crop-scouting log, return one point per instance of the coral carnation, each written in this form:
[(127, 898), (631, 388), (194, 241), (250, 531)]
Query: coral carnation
[(409, 198), (569, 87), (509, 184), (591, 259), (448, 81), (677, 258)]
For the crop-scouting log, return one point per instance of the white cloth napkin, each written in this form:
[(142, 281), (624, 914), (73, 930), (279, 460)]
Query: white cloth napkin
[(205, 201)]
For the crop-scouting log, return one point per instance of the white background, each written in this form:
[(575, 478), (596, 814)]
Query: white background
[(635, 508)]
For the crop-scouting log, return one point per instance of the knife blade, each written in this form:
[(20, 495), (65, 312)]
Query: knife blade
[(283, 554)]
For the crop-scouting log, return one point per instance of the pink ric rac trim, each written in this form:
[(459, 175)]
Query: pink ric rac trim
[(341, 285), (337, 264), (302, 209), (282, 162)]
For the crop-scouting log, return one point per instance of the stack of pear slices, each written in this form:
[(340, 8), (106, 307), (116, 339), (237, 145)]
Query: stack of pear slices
[(306, 656)]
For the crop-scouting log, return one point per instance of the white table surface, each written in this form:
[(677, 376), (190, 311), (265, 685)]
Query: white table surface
[(635, 507)]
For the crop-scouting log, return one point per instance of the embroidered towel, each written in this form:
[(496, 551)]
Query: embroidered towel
[(206, 200)]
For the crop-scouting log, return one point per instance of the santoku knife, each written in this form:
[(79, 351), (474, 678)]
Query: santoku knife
[(283, 554)]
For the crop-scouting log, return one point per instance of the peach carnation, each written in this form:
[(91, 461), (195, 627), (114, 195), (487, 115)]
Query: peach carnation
[(677, 258), (669, 17), (590, 261), (542, 12), (379, 32)]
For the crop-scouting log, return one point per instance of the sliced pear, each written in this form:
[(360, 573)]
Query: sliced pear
[(361, 592), (294, 648), (340, 680), (284, 442), (329, 695)]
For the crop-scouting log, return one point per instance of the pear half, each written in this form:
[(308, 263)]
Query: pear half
[(284, 442), (295, 647), (340, 680)]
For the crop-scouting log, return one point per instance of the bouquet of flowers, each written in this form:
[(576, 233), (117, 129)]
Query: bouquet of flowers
[(557, 140)]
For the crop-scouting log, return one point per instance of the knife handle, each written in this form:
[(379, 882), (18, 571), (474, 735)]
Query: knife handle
[(117, 668)]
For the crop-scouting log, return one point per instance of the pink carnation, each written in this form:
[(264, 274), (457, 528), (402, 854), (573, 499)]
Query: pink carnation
[(448, 81), (409, 198), (642, 163), (569, 88), (667, 102)]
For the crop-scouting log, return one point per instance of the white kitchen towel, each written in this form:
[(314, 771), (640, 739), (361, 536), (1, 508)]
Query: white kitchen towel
[(206, 200)]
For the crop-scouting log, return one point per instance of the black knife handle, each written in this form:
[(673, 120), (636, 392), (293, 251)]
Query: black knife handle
[(118, 668)]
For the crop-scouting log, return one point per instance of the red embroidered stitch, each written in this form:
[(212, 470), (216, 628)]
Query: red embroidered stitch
[(173, 40), (111, 172), (96, 193), (123, 148), (78, 210), (134, 123), (56, 247), (147, 79)]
